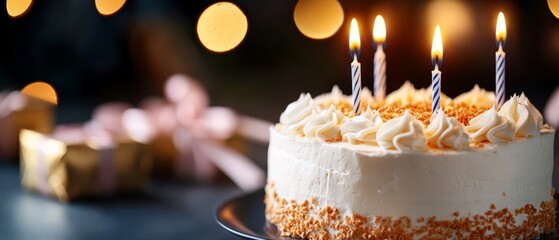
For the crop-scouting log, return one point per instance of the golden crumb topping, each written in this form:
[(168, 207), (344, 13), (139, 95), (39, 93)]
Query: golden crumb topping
[(420, 110)]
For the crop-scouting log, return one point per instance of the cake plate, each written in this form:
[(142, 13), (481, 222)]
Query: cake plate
[(243, 216)]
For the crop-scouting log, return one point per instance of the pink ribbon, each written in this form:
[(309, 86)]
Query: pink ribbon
[(198, 132), (107, 176), (203, 138)]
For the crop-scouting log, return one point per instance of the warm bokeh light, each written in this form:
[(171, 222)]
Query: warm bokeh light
[(501, 31), (354, 39), (17, 8), (455, 17), (222, 26), (318, 19), (437, 47), (108, 7), (379, 30), (41, 90), (554, 7)]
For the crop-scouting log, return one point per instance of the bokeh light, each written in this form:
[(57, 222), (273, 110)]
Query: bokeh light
[(108, 7), (554, 7), (455, 17), (17, 8), (318, 19), (222, 26), (41, 90)]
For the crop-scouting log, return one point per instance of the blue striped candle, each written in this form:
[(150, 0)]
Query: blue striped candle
[(437, 59), (501, 35), (356, 83), (354, 48), (436, 89)]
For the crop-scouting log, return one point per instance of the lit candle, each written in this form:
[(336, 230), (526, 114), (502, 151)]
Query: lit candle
[(354, 49), (437, 59), (379, 35), (501, 35)]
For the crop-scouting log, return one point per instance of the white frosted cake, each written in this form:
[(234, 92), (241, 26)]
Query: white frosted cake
[(392, 172)]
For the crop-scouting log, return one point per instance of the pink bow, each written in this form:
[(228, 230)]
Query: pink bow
[(198, 132)]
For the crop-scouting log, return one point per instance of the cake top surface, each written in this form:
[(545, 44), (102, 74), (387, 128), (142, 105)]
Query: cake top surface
[(403, 120)]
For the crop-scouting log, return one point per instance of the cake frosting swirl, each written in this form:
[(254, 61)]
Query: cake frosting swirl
[(444, 132), (297, 114), (362, 128), (526, 118), (490, 126), (325, 125), (404, 133), (477, 96)]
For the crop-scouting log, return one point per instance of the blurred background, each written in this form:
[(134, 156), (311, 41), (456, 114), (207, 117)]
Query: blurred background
[(127, 56)]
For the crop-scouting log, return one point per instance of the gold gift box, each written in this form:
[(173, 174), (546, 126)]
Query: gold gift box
[(68, 171), (22, 112)]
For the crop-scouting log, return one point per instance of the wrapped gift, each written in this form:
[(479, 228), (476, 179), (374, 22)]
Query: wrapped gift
[(73, 162), (18, 111), (188, 138)]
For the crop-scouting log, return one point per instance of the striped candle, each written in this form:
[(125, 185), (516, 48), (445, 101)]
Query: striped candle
[(437, 59), (436, 89), (354, 48), (501, 34), (379, 36), (356, 83), (500, 77)]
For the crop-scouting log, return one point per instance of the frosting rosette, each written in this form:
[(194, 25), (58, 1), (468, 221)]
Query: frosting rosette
[(444, 132), (407, 94), (490, 126), (297, 114), (336, 96), (404, 133), (362, 129), (326, 125), (527, 120), (477, 96)]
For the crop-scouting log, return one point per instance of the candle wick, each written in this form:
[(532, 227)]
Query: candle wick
[(436, 62), (500, 45)]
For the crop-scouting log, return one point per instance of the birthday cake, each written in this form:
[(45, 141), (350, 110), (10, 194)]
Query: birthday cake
[(471, 171)]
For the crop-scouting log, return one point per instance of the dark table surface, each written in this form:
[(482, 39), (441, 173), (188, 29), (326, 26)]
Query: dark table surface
[(165, 210)]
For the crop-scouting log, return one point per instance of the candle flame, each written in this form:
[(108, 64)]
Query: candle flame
[(437, 47), (379, 30), (354, 39), (501, 31)]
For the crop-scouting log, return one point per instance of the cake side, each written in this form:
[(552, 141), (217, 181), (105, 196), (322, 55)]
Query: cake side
[(452, 195)]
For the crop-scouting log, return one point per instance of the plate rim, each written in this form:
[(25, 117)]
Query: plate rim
[(221, 205)]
